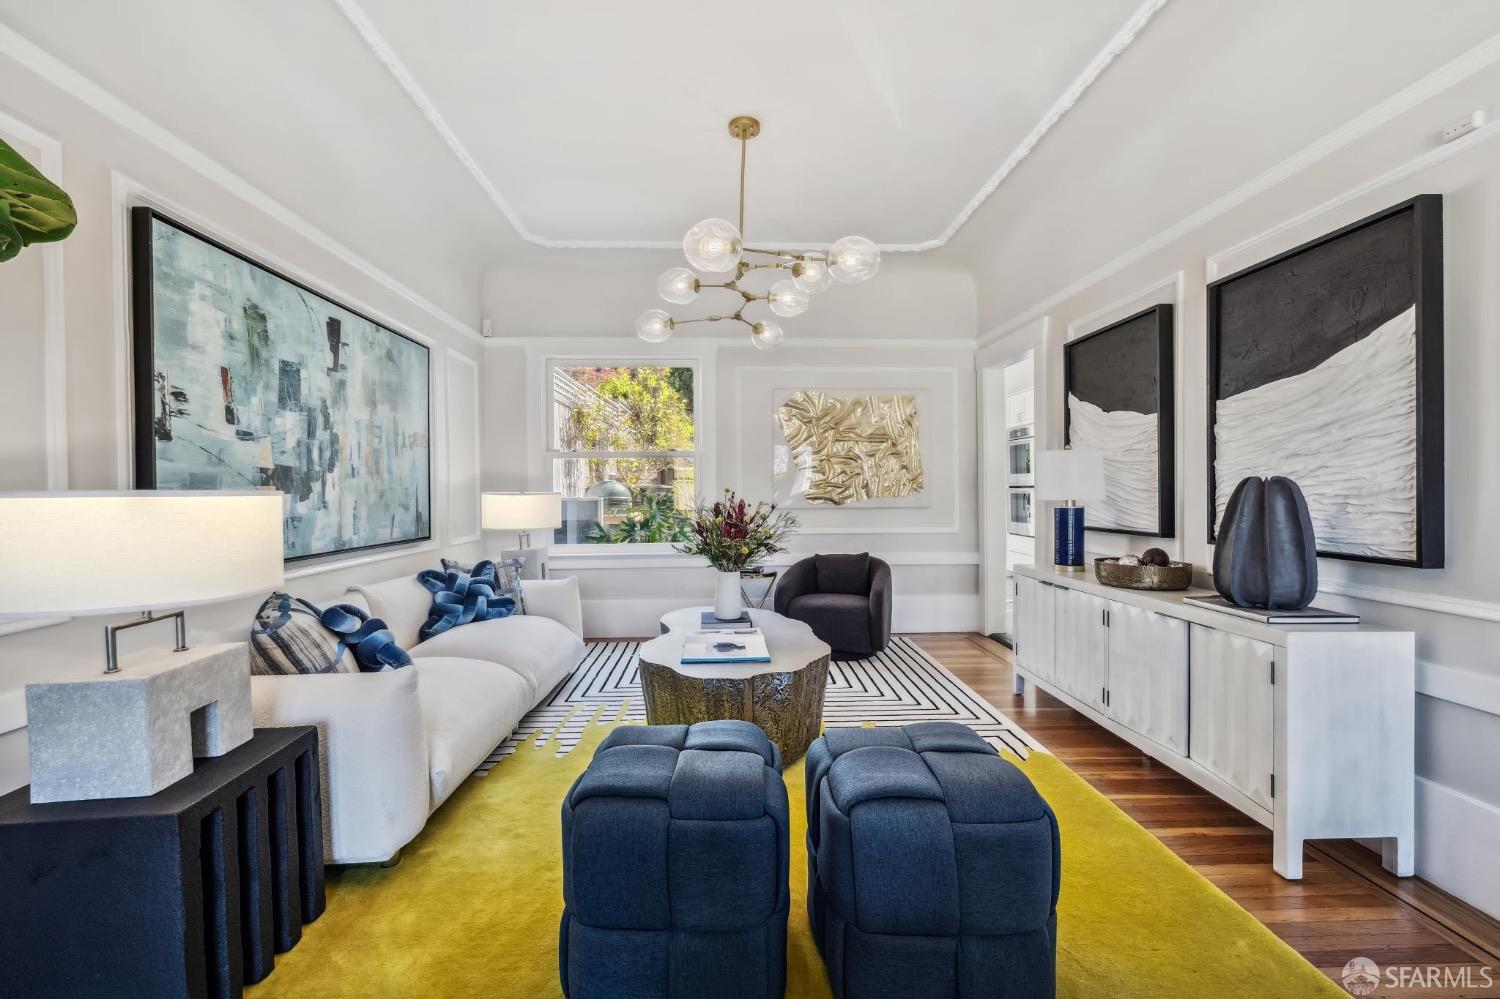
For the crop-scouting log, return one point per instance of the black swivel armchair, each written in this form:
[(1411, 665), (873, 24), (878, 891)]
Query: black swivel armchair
[(846, 599)]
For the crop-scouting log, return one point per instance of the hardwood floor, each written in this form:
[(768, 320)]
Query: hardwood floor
[(1344, 906)]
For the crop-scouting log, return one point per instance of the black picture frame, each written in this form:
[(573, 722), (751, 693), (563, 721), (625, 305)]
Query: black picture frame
[(1424, 251), (143, 357), (1166, 405)]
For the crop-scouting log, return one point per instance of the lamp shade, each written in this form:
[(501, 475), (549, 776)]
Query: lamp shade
[(520, 511), (1070, 475), (66, 554)]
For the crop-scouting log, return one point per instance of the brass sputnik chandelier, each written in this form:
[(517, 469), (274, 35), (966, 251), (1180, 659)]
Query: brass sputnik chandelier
[(716, 246)]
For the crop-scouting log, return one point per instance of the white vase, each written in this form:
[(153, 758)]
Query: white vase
[(727, 604)]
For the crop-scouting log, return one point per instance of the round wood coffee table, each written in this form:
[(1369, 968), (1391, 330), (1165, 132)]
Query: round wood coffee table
[(784, 696)]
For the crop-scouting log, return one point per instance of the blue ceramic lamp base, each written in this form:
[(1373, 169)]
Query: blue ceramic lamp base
[(1067, 538)]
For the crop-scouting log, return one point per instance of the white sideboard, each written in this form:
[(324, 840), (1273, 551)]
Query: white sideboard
[(1309, 730)]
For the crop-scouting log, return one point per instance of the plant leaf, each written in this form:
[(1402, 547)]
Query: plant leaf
[(38, 210), (10, 238)]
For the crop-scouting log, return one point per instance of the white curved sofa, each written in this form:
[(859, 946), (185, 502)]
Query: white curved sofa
[(395, 745)]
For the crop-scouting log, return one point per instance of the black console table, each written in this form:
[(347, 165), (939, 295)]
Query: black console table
[(188, 893)]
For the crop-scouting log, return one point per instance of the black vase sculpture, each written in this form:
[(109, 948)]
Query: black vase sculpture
[(1265, 555)]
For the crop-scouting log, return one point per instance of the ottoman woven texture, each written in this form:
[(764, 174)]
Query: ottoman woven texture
[(933, 866), (675, 859)]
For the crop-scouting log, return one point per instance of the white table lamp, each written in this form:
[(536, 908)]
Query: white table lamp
[(1069, 477), (71, 554), (132, 732), (521, 512)]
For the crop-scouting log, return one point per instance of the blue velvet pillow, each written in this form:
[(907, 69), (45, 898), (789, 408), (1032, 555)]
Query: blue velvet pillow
[(367, 638), (460, 598)]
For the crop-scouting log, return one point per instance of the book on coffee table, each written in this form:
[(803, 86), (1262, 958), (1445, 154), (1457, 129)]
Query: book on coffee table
[(1307, 615), (711, 623), (712, 647)]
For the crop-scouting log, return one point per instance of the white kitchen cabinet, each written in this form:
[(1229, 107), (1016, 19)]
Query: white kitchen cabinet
[(1309, 730), (1080, 659), (1232, 710), (1034, 628), (1020, 408), (1148, 674)]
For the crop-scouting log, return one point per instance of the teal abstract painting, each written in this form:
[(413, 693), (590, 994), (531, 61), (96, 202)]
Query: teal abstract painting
[(247, 379)]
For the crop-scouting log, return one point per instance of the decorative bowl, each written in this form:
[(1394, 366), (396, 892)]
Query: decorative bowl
[(1175, 576)]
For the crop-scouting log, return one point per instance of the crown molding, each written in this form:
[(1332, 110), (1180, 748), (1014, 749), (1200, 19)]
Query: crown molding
[(386, 54), (80, 87)]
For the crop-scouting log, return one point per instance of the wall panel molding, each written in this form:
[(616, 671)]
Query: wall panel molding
[(1463, 687), (462, 480), (951, 525), (1479, 610)]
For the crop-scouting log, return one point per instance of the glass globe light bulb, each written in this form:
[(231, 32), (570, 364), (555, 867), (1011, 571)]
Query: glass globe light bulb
[(654, 325), (853, 259), (678, 285), (766, 334), (811, 276), (787, 300), (712, 245)]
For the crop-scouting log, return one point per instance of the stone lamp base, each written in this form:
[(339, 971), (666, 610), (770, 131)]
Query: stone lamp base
[(132, 733)]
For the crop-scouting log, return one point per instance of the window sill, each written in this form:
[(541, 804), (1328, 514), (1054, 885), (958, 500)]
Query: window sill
[(565, 558)]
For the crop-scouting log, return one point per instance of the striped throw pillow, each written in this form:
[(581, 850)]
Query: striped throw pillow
[(288, 637)]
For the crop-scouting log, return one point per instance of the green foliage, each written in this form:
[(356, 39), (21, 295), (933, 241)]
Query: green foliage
[(32, 208), (633, 409), (638, 409), (653, 518)]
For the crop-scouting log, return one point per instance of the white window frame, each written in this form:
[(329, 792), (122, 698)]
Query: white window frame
[(662, 551)]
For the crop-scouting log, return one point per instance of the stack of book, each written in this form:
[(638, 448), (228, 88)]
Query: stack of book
[(725, 642), (711, 623)]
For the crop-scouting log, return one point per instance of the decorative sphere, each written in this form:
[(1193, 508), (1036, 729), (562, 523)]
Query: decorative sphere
[(1155, 556)]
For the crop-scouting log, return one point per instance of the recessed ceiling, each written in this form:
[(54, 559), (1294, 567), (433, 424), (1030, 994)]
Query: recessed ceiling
[(604, 124)]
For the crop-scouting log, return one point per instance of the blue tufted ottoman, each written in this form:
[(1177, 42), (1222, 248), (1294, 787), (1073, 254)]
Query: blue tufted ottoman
[(675, 852), (933, 866)]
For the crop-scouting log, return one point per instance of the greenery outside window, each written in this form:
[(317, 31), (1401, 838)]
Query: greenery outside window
[(623, 446)]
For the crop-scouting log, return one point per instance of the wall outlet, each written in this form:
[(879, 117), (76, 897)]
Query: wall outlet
[(1464, 126), (486, 328)]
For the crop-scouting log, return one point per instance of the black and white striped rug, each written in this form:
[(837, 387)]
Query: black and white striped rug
[(899, 686)]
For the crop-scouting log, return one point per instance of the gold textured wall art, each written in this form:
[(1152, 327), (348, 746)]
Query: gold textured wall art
[(854, 448)]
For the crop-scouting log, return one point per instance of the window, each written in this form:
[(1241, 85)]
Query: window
[(624, 452)]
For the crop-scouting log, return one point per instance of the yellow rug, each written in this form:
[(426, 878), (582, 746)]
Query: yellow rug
[(473, 908)]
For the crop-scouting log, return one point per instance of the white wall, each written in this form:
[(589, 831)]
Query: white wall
[(64, 358), (909, 328), (1385, 157)]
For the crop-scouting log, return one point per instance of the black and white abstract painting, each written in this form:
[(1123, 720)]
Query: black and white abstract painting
[(1119, 391), (1325, 366), (245, 378)]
